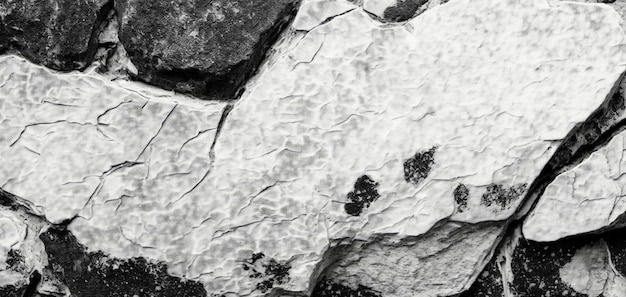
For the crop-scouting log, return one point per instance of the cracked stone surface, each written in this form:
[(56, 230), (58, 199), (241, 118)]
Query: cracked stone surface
[(365, 158), (205, 48), (586, 197), (57, 33)]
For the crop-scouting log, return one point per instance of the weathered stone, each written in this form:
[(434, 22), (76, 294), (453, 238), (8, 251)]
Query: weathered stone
[(206, 48), (349, 98), (59, 34)]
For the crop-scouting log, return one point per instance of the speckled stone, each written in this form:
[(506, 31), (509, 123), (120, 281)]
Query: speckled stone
[(57, 34), (206, 48)]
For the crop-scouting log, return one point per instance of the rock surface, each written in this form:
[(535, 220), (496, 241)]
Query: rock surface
[(361, 153), (586, 197), (57, 34), (207, 49)]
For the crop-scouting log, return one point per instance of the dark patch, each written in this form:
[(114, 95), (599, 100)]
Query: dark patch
[(58, 34), (417, 168), (327, 288), (502, 196), (461, 194), (364, 194), (403, 11), (15, 260), (616, 241), (96, 274), (535, 267), (12, 291), (267, 270), (231, 40), (34, 280), (488, 284)]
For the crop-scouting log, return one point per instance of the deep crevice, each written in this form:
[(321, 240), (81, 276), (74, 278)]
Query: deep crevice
[(92, 45), (31, 290)]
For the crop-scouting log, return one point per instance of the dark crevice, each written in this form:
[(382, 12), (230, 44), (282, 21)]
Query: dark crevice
[(231, 85), (31, 290), (92, 45), (228, 84)]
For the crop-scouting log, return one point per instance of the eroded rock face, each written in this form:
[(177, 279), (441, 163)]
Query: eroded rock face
[(322, 168), (206, 48), (57, 34)]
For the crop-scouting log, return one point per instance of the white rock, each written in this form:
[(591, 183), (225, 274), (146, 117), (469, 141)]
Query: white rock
[(315, 12), (378, 7), (491, 85), (585, 198)]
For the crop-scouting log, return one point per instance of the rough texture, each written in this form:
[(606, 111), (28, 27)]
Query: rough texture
[(588, 196), (95, 274), (206, 48), (362, 152), (585, 266), (55, 33)]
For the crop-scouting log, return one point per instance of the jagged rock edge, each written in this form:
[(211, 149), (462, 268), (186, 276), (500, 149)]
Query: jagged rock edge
[(561, 162)]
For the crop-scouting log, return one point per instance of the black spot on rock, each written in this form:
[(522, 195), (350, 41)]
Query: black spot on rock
[(327, 288), (96, 274), (461, 194), (267, 270), (417, 168), (501, 196), (403, 10), (364, 194)]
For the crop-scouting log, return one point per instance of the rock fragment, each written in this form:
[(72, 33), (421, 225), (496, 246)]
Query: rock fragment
[(208, 49), (58, 34)]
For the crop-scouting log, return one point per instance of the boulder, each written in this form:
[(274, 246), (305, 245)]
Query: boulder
[(58, 34), (205, 48)]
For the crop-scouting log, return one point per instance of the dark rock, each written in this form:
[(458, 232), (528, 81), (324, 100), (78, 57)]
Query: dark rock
[(206, 48), (364, 194), (404, 10), (12, 291), (267, 270), (461, 194), (502, 196), (327, 288), (95, 274), (58, 34), (616, 241), (417, 168)]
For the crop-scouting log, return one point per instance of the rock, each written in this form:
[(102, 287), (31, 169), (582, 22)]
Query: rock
[(585, 266), (351, 115), (57, 34), (585, 198), (96, 274), (208, 49), (21, 255), (439, 263)]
